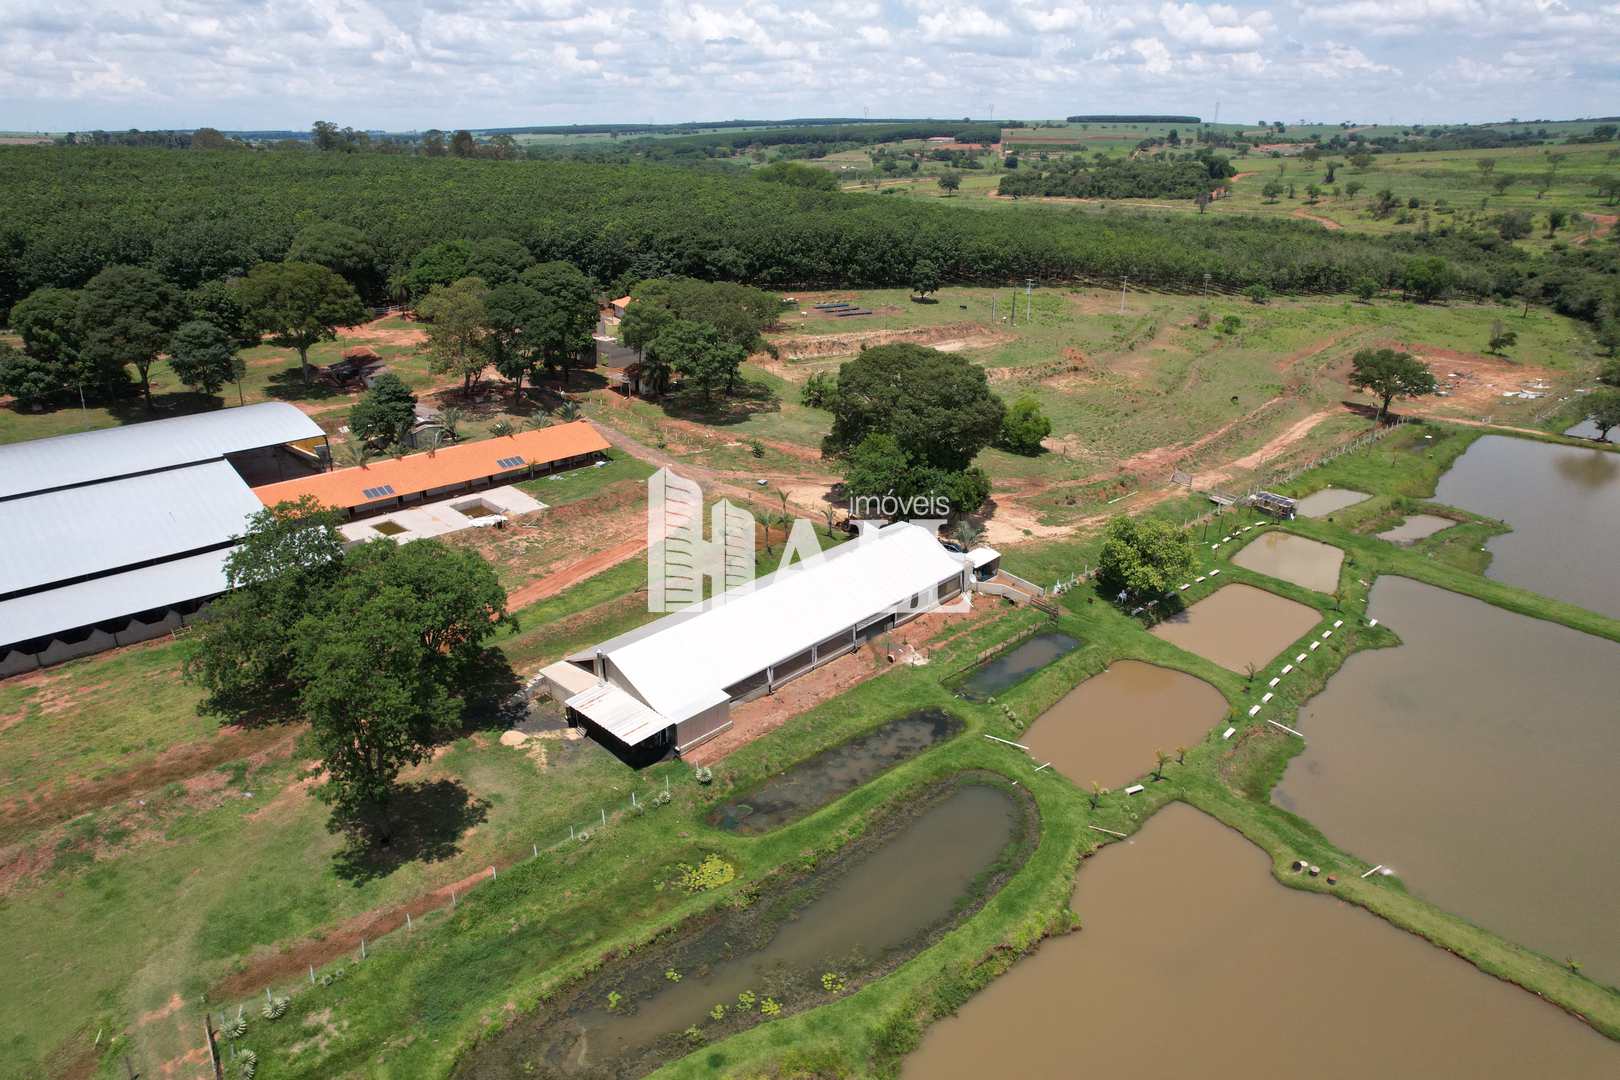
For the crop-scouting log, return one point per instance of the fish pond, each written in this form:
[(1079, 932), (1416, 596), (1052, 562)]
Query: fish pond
[(835, 772), (1310, 564), (1239, 625), (1478, 760), (1416, 527), (1015, 664), (1192, 961), (1327, 501), (1107, 728), (905, 882), (1563, 505)]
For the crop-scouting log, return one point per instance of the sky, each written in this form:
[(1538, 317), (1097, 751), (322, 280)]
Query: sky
[(416, 64)]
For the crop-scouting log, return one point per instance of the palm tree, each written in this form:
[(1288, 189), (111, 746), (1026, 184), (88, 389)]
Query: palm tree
[(1181, 755), (1161, 757), (1097, 792), (769, 518), (500, 429), (569, 409), (967, 533), (830, 513), (538, 421), (450, 419), (357, 452)]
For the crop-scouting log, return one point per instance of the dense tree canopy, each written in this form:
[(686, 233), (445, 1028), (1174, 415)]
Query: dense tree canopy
[(65, 214), (937, 405), (457, 323), (345, 251), (385, 412), (375, 646), (1143, 558), (204, 357)]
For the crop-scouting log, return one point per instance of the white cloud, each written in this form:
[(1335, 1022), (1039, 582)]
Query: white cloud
[(443, 63)]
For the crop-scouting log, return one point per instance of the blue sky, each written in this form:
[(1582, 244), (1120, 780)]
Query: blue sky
[(417, 64)]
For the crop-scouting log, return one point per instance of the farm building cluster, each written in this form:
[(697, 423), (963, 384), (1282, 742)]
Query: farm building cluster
[(116, 536)]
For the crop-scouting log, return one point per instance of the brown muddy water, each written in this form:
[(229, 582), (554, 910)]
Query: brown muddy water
[(1194, 962), (1479, 760), (1416, 527), (1016, 664), (1238, 625), (1107, 728), (835, 772), (1563, 504), (854, 918), (1309, 564), (1328, 500)]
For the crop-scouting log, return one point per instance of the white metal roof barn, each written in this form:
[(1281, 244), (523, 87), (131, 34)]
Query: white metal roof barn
[(113, 536), (91, 457), (672, 682)]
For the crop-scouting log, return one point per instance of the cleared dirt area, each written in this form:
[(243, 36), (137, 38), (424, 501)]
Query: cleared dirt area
[(1472, 383), (1326, 222), (950, 337)]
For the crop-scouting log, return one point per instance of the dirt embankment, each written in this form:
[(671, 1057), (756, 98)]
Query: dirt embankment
[(971, 335)]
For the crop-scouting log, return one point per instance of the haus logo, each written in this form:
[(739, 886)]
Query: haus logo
[(683, 564)]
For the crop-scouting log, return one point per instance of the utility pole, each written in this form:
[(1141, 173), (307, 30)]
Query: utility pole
[(1029, 300), (1124, 283)]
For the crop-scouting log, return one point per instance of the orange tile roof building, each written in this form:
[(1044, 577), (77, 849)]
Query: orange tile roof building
[(391, 483)]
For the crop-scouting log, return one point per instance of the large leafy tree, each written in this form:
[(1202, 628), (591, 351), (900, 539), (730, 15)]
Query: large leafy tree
[(342, 249), (298, 304), (497, 260), (1143, 559), (126, 316), (924, 278), (1390, 374), (882, 480), (437, 264), (567, 313), (217, 302), (457, 323), (385, 661), (204, 358), (47, 321), (385, 411), (241, 652), (515, 314), (699, 353), (937, 405), (28, 379)]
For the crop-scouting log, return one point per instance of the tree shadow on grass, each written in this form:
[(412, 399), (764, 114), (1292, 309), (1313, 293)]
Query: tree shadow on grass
[(426, 820), (747, 399), (288, 385)]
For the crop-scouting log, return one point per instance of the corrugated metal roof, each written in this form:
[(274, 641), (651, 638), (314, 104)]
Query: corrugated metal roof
[(618, 712), (65, 460), (346, 488), (688, 658), (42, 614), (62, 535)]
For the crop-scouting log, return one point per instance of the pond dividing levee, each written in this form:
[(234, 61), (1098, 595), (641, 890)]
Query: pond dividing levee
[(1477, 759), (896, 890), (1107, 728), (835, 772), (1563, 505), (1192, 961)]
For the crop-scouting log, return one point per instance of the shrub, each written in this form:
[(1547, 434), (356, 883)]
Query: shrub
[(711, 873)]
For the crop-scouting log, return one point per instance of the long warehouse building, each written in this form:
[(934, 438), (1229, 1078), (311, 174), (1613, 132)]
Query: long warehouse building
[(116, 536), (670, 685)]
